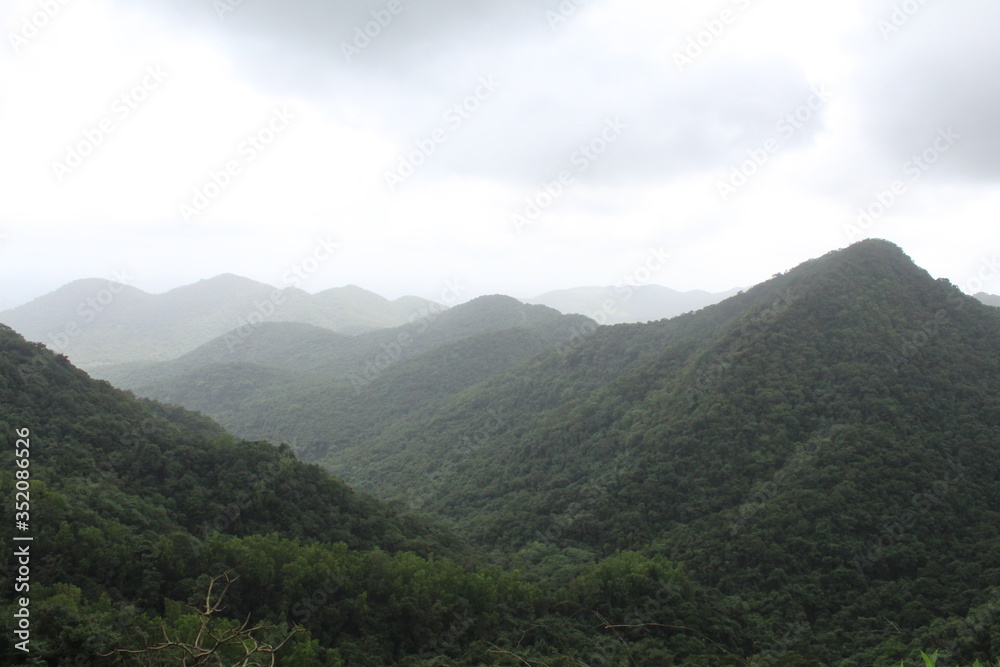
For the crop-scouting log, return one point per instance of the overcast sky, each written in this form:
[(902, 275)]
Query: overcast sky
[(508, 147)]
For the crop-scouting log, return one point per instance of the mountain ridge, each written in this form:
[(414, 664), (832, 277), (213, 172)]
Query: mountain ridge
[(802, 474), (249, 383), (105, 322), (628, 304), (710, 436)]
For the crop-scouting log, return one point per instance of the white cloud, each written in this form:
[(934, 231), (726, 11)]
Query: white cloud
[(557, 87)]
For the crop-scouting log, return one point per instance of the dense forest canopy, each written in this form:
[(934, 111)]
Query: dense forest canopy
[(802, 474)]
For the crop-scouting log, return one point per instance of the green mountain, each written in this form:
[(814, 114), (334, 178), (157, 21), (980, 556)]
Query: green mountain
[(98, 323), (154, 535), (319, 390), (822, 447), (804, 474), (628, 303)]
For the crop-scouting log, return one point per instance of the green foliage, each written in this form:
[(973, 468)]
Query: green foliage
[(323, 391), (804, 474)]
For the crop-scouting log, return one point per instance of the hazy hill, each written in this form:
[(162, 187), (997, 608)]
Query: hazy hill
[(611, 305), (320, 390), (989, 299), (97, 323)]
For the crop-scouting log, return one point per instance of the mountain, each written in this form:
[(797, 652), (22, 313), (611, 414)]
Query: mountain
[(823, 449), (627, 303), (131, 502), (148, 535), (97, 323), (989, 299), (803, 474), (320, 390)]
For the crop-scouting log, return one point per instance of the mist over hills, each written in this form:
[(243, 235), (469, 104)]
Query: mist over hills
[(989, 299), (318, 389), (106, 323), (628, 303), (99, 322)]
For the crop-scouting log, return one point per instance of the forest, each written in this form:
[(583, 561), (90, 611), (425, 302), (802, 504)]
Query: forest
[(803, 474)]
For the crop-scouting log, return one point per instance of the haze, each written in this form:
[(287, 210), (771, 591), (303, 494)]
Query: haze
[(508, 148)]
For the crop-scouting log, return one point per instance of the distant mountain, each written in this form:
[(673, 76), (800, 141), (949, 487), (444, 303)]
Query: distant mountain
[(989, 299), (322, 391), (617, 305), (97, 323)]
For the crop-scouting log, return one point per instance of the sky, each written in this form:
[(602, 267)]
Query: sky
[(479, 147)]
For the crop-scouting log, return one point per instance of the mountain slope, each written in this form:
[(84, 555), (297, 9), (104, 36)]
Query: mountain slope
[(319, 390), (136, 508), (822, 446), (99, 323)]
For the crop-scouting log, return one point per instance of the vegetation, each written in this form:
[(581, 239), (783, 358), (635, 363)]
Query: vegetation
[(804, 474), (319, 390), (138, 507)]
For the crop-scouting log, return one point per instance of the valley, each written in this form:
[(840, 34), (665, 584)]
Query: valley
[(803, 473)]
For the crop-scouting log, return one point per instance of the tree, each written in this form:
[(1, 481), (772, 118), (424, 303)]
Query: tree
[(216, 642)]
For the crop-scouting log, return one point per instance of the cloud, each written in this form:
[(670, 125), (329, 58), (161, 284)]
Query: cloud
[(557, 85), (929, 66)]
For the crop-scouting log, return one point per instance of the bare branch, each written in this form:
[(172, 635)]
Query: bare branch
[(686, 629), (209, 641)]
